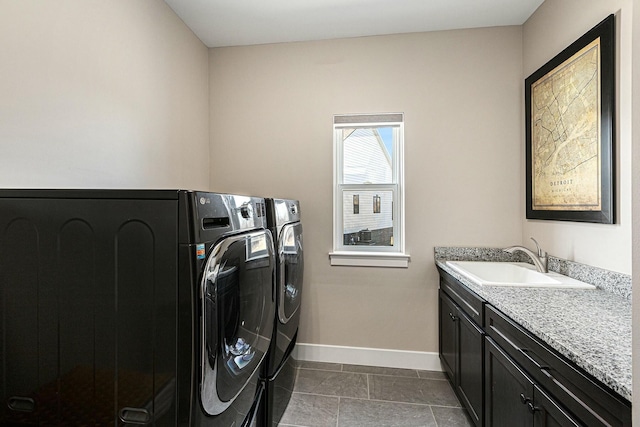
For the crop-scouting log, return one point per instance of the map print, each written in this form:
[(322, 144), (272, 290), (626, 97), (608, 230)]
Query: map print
[(565, 134)]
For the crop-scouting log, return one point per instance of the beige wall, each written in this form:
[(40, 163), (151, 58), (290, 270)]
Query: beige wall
[(101, 94), (271, 118), (553, 27)]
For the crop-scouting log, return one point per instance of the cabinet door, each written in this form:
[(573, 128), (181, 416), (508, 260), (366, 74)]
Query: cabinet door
[(547, 413), (508, 391), (88, 297), (448, 335), (470, 366)]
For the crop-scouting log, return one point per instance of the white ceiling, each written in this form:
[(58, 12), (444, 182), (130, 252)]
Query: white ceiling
[(246, 22)]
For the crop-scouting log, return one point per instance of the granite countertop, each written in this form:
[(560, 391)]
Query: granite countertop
[(592, 328)]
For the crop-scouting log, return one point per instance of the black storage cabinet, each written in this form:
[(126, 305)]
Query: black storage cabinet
[(529, 384), (461, 340), (505, 376), (89, 297)]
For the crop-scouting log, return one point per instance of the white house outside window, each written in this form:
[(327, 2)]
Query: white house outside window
[(368, 190)]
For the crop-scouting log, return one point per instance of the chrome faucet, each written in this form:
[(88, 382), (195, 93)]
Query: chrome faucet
[(539, 260)]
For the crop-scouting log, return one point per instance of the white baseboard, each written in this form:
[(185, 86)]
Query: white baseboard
[(422, 360)]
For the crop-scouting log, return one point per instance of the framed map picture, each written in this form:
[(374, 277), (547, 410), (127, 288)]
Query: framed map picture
[(569, 107)]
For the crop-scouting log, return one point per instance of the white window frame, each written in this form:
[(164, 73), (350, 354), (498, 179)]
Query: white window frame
[(369, 256)]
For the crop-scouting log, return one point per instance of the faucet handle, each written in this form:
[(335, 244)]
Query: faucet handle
[(541, 253)]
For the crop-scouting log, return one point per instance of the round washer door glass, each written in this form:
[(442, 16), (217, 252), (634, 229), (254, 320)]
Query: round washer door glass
[(238, 314), (290, 271)]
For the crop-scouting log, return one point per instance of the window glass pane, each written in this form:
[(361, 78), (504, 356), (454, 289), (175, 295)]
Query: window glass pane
[(368, 227), (368, 155)]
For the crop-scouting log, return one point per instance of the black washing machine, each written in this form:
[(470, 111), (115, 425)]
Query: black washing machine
[(283, 218), (133, 307)]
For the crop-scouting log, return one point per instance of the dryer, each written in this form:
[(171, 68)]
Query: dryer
[(283, 219), (133, 307)]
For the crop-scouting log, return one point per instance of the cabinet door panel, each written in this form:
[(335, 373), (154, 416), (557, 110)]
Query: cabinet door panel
[(470, 366), (448, 335), (508, 390), (549, 414)]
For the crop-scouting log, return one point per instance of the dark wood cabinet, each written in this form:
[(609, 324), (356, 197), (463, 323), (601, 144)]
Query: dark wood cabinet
[(448, 335), (461, 352), (506, 376), (507, 390), (470, 367), (513, 398), (563, 394)]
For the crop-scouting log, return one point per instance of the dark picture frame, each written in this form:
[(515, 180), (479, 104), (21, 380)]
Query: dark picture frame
[(570, 133)]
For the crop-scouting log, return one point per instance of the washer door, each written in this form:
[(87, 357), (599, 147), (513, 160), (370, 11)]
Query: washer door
[(237, 316), (290, 271)]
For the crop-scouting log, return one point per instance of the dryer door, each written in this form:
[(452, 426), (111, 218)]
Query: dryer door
[(290, 271), (237, 316)]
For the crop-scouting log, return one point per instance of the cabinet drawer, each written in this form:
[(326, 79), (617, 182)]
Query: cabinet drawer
[(584, 396), (470, 303)]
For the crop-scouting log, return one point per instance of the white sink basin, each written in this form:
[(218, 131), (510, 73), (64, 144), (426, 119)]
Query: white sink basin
[(520, 274)]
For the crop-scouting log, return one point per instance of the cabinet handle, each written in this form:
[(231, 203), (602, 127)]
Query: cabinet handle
[(532, 408), (524, 399), (135, 416), (470, 308), (22, 404), (525, 352), (454, 318)]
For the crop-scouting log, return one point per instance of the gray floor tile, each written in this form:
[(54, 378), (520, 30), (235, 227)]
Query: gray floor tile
[(451, 417), (310, 410), (346, 384), (332, 394), (412, 390), (380, 370), (433, 375), (363, 413), (303, 364)]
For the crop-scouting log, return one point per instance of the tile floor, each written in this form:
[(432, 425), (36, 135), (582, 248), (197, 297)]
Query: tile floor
[(337, 395)]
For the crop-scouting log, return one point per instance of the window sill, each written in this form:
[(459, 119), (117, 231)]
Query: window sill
[(370, 259)]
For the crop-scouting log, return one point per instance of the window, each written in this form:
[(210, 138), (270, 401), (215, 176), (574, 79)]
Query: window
[(368, 190), (376, 204)]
